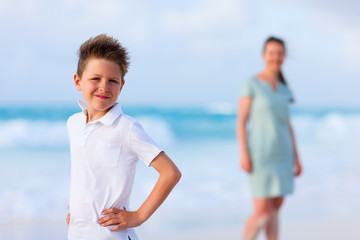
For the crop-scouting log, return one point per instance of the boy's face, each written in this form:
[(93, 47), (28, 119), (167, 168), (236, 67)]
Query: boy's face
[(100, 85)]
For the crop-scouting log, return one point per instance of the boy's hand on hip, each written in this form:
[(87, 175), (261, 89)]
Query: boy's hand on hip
[(120, 218), (68, 219)]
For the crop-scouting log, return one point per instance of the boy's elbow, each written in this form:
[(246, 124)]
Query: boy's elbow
[(170, 171), (176, 175), (179, 175)]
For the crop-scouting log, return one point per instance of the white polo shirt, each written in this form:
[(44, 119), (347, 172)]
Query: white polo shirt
[(104, 154)]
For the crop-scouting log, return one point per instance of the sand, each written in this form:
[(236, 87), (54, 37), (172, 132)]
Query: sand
[(348, 229), (338, 229)]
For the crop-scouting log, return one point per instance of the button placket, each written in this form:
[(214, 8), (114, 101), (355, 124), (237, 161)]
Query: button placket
[(87, 130)]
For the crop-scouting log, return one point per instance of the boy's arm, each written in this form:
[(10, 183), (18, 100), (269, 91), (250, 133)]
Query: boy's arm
[(169, 177), (68, 217)]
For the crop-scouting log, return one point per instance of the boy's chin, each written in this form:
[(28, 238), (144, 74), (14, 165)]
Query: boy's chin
[(103, 108), (106, 109)]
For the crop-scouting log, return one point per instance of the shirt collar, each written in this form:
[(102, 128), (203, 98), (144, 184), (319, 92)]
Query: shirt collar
[(83, 107), (109, 118)]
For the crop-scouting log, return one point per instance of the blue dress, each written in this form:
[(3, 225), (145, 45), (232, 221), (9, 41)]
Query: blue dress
[(269, 140)]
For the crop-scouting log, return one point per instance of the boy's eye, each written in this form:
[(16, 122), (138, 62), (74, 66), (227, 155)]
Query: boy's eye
[(96, 78), (113, 81)]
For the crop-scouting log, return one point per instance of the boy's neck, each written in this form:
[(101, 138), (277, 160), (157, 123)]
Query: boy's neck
[(93, 115)]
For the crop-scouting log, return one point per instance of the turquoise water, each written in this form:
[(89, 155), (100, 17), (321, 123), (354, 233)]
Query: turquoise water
[(44, 126)]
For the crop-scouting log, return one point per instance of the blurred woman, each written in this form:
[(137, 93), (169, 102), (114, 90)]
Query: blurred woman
[(268, 150)]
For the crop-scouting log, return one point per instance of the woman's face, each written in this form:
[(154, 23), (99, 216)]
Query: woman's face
[(274, 55)]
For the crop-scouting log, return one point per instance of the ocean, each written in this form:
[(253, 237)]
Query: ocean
[(201, 140)]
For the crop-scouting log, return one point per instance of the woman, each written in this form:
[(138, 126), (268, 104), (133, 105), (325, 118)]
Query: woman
[(268, 153)]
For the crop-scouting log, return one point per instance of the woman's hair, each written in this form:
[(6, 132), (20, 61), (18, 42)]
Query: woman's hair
[(280, 41), (103, 47)]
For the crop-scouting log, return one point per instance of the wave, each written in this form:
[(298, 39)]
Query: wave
[(25, 133), (224, 108), (330, 128), (170, 128), (33, 133), (158, 129)]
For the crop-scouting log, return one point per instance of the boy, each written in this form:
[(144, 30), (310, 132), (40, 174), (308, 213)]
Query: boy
[(105, 145)]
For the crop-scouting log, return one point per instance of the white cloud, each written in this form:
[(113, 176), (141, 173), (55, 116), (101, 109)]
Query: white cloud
[(209, 17), (94, 11), (21, 7), (71, 19), (352, 39), (339, 20), (207, 27)]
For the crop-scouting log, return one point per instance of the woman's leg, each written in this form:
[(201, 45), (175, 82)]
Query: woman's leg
[(272, 227), (259, 219)]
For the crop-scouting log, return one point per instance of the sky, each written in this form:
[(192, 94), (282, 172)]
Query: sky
[(182, 52)]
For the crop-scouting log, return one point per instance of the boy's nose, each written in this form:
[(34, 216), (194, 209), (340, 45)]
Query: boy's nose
[(104, 87)]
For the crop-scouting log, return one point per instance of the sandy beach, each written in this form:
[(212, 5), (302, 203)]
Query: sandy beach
[(310, 230)]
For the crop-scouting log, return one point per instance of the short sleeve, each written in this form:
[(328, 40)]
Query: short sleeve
[(291, 98), (71, 125), (247, 88), (142, 146)]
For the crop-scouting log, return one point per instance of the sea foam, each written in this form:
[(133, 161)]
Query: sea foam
[(33, 133)]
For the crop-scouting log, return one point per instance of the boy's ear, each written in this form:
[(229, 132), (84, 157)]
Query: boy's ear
[(122, 84), (77, 82)]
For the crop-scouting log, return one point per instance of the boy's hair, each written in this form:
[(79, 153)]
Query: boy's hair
[(103, 47)]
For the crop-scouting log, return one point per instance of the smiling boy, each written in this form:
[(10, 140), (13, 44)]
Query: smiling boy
[(105, 146)]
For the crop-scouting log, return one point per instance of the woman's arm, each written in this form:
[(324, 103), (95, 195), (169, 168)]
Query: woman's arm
[(298, 166), (169, 177), (243, 116)]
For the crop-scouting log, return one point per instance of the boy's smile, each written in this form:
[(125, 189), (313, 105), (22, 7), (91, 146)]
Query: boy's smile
[(102, 97), (100, 85)]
